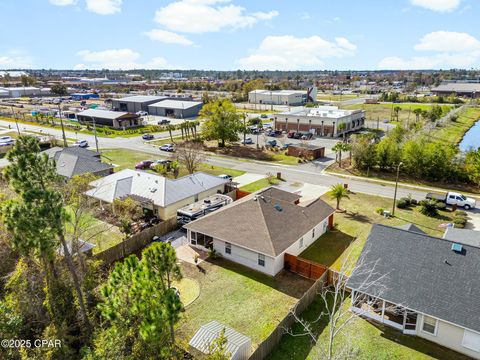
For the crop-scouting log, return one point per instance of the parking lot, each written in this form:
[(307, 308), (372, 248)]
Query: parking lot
[(153, 120)]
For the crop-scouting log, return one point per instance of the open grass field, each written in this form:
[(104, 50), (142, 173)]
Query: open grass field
[(258, 185), (244, 299), (353, 226), (126, 159), (453, 132), (385, 111), (369, 341), (337, 97)]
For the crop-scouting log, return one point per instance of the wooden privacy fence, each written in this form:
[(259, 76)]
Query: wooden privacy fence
[(240, 194), (266, 346), (304, 267), (136, 242)]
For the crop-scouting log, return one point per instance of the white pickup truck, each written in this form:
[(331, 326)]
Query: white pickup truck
[(453, 198)]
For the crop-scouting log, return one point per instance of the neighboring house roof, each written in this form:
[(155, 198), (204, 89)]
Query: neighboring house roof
[(104, 114), (262, 223), (150, 187), (463, 236), (279, 194), (211, 331), (422, 273), (410, 227), (76, 161), (141, 98), (458, 87), (176, 104)]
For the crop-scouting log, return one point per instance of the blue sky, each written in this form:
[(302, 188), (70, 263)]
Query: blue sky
[(240, 34)]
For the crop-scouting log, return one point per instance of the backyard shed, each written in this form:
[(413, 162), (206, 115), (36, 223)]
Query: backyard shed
[(238, 345)]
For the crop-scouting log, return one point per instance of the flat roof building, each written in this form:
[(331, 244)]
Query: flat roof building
[(323, 120), (15, 92), (283, 97), (459, 89), (115, 119), (176, 108), (135, 103)]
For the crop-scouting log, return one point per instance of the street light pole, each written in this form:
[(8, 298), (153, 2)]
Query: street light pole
[(95, 133), (244, 129), (16, 121), (61, 123), (396, 186)]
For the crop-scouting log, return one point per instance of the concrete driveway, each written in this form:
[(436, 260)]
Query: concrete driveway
[(473, 220)]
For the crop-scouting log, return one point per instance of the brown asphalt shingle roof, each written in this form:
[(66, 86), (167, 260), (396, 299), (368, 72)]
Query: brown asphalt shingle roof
[(267, 225)]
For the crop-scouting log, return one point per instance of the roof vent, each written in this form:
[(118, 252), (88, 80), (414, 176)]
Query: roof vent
[(278, 207), (457, 247), (152, 190), (254, 198)]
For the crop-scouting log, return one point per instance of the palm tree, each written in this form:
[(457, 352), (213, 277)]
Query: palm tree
[(170, 128), (342, 128), (338, 192), (417, 113), (339, 148), (396, 110)]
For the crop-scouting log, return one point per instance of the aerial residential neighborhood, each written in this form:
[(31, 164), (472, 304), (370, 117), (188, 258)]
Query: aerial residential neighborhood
[(237, 179)]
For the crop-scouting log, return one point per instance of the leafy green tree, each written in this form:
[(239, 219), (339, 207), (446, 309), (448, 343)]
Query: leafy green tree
[(388, 153), (217, 349), (222, 123), (418, 113), (364, 153), (59, 90), (338, 192), (472, 166)]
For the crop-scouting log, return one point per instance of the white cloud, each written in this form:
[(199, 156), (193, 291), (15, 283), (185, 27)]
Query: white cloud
[(437, 5), (292, 53), (63, 2), (447, 50), (117, 59), (104, 7), (168, 37), (448, 41), (201, 16), (15, 61)]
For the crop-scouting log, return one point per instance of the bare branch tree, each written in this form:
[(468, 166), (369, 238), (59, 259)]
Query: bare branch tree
[(190, 155)]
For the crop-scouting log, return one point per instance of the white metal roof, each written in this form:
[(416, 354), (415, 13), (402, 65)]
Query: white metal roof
[(321, 111), (279, 92), (160, 190), (141, 98), (176, 104), (209, 332), (104, 114)]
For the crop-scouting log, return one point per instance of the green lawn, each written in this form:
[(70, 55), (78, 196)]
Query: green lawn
[(385, 111), (353, 226), (366, 339), (246, 300), (453, 132), (126, 159), (337, 97), (258, 185)]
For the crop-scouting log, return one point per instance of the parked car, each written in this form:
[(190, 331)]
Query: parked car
[(274, 133), (142, 165), (164, 122), (154, 220), (285, 146), (141, 113), (307, 136), (226, 177), (291, 134), (453, 198), (148, 136), (81, 143), (167, 147), (297, 135), (264, 116), (247, 141), (272, 143), (160, 162), (6, 141)]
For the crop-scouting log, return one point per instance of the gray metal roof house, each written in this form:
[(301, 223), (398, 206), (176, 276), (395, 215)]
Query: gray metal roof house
[(420, 285), (135, 103), (238, 346), (176, 108)]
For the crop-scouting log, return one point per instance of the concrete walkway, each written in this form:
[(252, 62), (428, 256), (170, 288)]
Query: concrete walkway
[(247, 178)]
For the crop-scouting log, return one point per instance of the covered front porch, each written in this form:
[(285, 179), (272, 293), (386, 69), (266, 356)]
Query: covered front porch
[(384, 312)]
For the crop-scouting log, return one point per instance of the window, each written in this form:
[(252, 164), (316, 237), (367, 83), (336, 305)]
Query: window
[(429, 325), (193, 237), (261, 259), (471, 340), (301, 243), (313, 233), (228, 248)]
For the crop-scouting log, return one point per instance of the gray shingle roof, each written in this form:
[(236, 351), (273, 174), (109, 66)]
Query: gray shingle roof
[(463, 236), (262, 223), (422, 273), (410, 227)]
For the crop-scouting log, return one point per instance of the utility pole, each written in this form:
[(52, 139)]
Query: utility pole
[(396, 186), (244, 129), (16, 120), (95, 134), (61, 122)]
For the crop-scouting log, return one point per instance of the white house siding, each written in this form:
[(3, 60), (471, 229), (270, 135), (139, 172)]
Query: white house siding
[(245, 257), (171, 210), (448, 335)]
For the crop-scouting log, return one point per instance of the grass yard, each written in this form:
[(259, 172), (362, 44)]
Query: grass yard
[(366, 339), (337, 97), (246, 300), (385, 111), (126, 159), (259, 184), (453, 132), (189, 290), (353, 226)]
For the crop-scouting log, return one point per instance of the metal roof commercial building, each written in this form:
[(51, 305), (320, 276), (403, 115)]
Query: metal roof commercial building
[(16, 92), (176, 108), (283, 97), (135, 103), (115, 119), (458, 88), (322, 120)]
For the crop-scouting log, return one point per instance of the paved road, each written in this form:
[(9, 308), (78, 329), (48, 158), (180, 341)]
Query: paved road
[(309, 173)]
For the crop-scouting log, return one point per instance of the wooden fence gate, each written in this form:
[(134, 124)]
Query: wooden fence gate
[(304, 267)]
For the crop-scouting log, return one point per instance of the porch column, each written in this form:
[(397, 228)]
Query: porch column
[(323, 130), (310, 125), (298, 125), (333, 131), (383, 309)]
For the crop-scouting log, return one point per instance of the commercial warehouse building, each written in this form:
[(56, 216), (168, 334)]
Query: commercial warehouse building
[(15, 92), (471, 90), (135, 103), (322, 120), (176, 108), (283, 97), (115, 119)]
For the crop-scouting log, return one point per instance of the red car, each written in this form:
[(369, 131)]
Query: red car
[(142, 165)]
